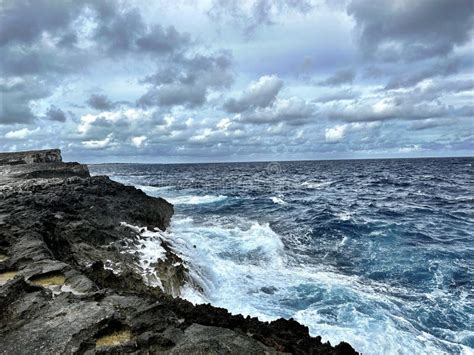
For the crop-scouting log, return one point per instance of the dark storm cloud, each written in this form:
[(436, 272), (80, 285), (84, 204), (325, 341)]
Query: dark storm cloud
[(187, 80), (412, 30), (100, 102), (55, 114), (344, 76)]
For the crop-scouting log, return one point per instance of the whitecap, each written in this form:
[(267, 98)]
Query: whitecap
[(278, 201), (344, 216), (195, 199), (316, 184)]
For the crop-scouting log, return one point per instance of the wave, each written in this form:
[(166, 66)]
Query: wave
[(152, 190), (316, 184), (278, 201), (195, 199), (243, 265)]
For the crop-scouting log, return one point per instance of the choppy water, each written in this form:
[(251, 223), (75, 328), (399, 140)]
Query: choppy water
[(379, 253)]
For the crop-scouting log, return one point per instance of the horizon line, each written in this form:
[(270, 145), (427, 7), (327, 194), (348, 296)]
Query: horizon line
[(287, 161)]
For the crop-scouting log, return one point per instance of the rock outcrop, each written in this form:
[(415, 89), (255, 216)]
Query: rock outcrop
[(69, 283)]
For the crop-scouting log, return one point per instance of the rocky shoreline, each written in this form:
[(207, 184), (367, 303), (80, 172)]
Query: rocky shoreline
[(68, 284)]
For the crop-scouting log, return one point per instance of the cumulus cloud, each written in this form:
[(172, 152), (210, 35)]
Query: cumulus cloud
[(98, 144), (260, 93), (21, 133), (337, 133), (138, 141), (293, 111)]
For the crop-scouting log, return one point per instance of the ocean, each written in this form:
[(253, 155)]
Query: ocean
[(378, 253)]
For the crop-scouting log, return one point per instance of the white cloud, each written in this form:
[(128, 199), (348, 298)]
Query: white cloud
[(98, 144), (224, 124), (128, 115), (260, 93), (138, 141), (21, 133), (410, 149), (336, 133)]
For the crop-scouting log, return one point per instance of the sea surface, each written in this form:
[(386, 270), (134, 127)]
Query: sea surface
[(378, 253)]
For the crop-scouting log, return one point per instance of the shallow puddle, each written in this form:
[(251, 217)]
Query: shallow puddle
[(7, 276), (114, 339), (53, 279)]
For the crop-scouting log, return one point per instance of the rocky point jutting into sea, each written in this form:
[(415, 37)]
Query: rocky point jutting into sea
[(61, 229)]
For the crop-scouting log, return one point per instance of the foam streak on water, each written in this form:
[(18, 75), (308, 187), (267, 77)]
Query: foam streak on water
[(376, 253)]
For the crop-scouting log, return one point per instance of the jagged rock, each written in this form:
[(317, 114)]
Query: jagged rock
[(60, 228), (30, 157)]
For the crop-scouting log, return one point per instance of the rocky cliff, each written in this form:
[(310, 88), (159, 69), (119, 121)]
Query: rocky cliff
[(69, 283)]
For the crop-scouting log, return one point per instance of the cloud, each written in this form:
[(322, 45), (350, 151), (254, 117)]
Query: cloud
[(344, 76), (139, 141), (98, 144), (100, 102), (401, 107), (347, 94), (293, 111), (15, 95), (188, 80), (21, 133), (404, 30), (255, 13), (44, 42), (259, 94), (55, 114), (26, 21), (160, 40), (337, 133), (441, 68), (410, 149)]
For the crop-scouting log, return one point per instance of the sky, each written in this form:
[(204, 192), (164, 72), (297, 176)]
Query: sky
[(219, 80)]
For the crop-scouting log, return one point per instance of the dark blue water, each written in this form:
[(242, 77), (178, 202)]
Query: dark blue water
[(379, 253)]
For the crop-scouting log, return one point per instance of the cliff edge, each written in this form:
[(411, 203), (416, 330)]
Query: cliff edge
[(70, 276)]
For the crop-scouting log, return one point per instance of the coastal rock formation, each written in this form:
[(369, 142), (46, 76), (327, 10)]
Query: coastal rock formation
[(69, 283)]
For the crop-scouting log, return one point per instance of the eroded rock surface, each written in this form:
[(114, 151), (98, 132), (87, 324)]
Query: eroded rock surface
[(60, 228)]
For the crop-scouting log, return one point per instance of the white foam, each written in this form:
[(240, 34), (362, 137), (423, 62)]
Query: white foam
[(195, 199), (242, 265), (316, 184), (278, 201), (150, 250), (152, 190), (344, 216)]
